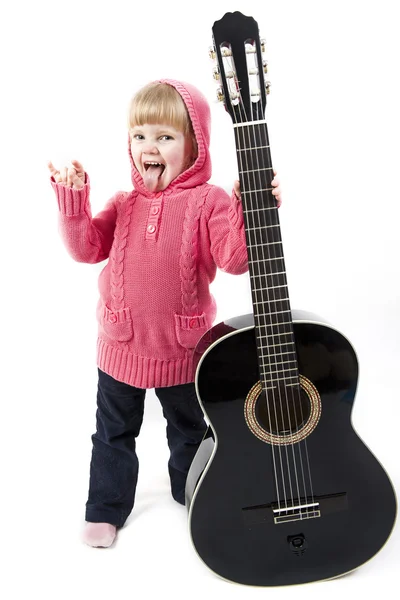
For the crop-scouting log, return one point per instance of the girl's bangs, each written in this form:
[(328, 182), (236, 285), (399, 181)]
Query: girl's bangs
[(159, 103)]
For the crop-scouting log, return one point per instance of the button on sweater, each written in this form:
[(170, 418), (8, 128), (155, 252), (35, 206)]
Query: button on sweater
[(163, 250)]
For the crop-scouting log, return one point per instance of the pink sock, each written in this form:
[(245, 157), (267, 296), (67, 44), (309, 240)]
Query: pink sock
[(99, 535)]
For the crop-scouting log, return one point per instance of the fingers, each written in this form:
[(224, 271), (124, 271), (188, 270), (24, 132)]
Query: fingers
[(236, 188), (277, 192), (53, 171), (75, 180), (80, 171), (69, 176)]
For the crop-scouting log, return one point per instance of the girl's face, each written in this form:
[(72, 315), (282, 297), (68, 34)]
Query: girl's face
[(160, 154)]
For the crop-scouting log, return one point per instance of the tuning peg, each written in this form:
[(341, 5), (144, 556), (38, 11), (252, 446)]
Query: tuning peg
[(265, 66), (262, 42), (211, 52), (267, 87), (220, 95), (216, 73)]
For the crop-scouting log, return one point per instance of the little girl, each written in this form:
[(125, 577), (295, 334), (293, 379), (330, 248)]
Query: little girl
[(164, 241)]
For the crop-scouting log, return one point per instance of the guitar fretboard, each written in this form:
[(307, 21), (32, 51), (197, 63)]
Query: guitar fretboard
[(272, 315)]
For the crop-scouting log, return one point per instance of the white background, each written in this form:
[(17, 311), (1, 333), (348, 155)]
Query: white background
[(68, 70)]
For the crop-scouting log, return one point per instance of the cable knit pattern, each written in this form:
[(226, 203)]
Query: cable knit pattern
[(117, 253), (189, 253), (163, 250)]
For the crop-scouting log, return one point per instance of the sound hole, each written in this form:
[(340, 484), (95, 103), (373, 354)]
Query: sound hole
[(283, 410)]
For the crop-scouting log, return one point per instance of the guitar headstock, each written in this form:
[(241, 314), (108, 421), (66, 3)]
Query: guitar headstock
[(241, 67)]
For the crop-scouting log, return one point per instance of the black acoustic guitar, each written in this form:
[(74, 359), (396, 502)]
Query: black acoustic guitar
[(282, 490)]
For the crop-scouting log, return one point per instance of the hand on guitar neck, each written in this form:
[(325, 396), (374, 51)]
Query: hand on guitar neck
[(277, 192)]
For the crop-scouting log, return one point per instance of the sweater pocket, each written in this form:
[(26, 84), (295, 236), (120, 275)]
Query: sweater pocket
[(115, 324), (190, 329)]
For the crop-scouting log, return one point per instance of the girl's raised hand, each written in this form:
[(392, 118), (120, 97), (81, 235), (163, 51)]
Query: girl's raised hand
[(72, 177)]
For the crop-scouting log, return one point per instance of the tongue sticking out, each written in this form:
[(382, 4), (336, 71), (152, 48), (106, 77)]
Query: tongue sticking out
[(151, 177)]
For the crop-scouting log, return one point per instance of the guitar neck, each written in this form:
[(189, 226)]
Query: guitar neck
[(272, 315)]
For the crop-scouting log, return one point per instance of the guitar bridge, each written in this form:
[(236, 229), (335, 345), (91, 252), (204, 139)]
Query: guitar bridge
[(296, 513), (300, 509)]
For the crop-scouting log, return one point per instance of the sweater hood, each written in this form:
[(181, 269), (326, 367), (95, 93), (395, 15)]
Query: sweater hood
[(200, 171)]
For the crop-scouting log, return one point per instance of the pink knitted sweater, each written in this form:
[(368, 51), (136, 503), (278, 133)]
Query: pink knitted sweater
[(163, 250)]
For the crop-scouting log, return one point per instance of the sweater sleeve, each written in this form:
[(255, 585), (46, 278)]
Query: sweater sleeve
[(87, 239), (226, 231)]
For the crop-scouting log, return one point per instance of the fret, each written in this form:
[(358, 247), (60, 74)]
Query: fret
[(259, 211), (257, 199), (267, 259), (271, 335), (256, 180), (251, 148), (253, 275), (267, 372), (263, 227), (274, 324), (260, 297), (262, 245), (269, 303), (254, 139), (262, 289), (260, 234), (279, 346), (283, 366), (254, 191), (263, 259), (256, 216), (277, 324), (256, 170), (268, 314), (275, 287), (267, 267), (278, 312), (278, 353), (257, 276), (279, 243), (258, 238), (284, 362), (278, 299), (267, 364)]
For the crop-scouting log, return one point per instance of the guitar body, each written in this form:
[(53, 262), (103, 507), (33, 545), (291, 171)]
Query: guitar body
[(231, 488)]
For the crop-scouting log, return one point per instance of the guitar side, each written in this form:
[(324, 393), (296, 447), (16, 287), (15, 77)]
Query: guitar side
[(230, 491)]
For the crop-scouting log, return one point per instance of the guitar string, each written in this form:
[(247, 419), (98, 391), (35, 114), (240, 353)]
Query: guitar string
[(273, 396), (273, 316), (289, 390), (266, 274), (265, 218), (292, 390), (241, 169), (275, 300)]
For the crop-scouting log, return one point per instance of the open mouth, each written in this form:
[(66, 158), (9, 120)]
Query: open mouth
[(153, 165), (152, 174)]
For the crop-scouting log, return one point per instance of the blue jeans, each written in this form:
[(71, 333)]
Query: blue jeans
[(114, 465)]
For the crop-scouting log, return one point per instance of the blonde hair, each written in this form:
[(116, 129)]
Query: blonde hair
[(160, 103)]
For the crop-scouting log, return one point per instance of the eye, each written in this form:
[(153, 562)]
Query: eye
[(166, 138), (138, 136)]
